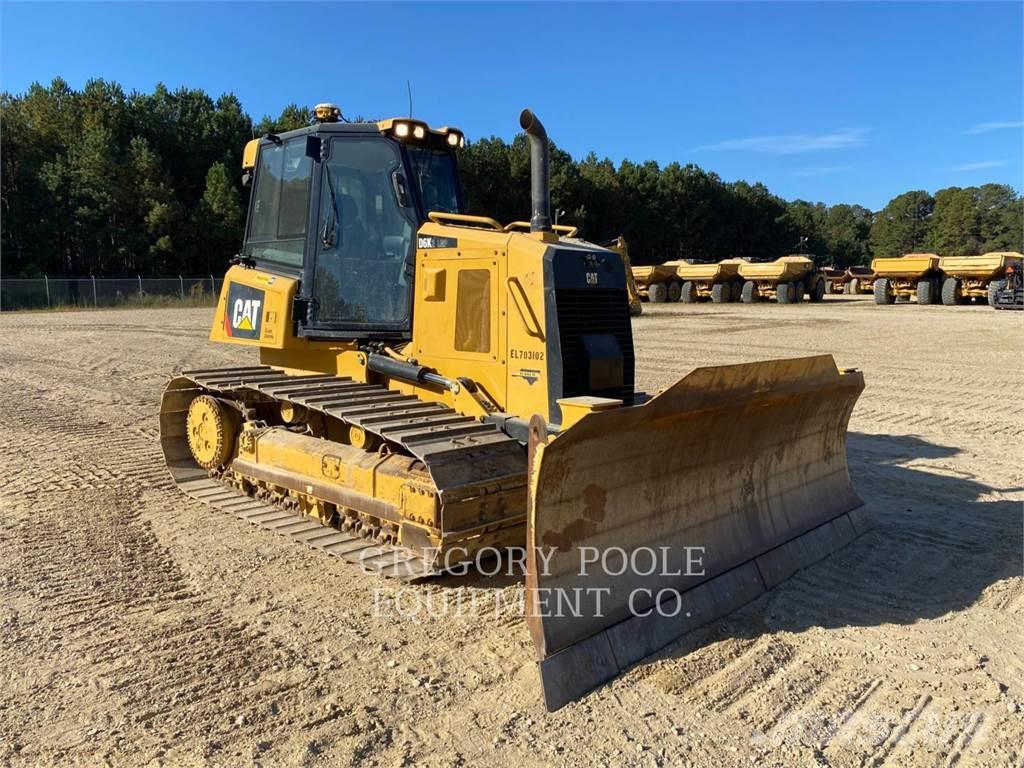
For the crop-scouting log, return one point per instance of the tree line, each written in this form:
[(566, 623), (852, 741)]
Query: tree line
[(100, 181)]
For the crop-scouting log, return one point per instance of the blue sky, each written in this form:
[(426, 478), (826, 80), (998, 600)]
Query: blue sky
[(839, 102)]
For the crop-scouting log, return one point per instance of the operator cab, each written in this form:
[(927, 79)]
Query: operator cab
[(337, 205)]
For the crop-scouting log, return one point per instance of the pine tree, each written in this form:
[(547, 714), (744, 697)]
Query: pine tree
[(902, 226)]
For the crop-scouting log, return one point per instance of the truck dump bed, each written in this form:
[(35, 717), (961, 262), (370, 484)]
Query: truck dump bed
[(723, 270), (656, 273), (786, 269), (987, 266), (911, 266), (861, 273)]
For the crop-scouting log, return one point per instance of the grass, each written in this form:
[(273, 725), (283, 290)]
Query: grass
[(133, 302)]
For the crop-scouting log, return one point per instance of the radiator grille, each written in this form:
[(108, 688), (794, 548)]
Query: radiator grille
[(593, 311)]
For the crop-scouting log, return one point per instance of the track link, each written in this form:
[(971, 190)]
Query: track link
[(464, 457), (384, 559)]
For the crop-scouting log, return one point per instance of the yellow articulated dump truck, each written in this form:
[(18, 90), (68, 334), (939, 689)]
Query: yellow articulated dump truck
[(835, 279), (720, 282), (787, 280), (689, 282), (976, 277), (430, 388), (859, 280), (915, 274), (657, 283)]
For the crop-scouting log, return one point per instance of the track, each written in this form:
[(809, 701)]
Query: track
[(137, 625), (465, 458)]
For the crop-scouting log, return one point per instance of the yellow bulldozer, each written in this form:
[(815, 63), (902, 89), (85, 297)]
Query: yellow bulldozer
[(432, 387)]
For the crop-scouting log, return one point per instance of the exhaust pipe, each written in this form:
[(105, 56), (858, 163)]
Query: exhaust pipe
[(540, 188)]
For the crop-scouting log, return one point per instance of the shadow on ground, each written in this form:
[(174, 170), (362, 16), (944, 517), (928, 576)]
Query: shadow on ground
[(939, 541)]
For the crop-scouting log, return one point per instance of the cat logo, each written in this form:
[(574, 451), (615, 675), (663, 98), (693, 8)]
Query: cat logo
[(591, 278), (244, 313)]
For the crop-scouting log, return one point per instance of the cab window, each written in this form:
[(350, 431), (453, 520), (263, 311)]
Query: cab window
[(436, 178), (280, 209), (364, 237)]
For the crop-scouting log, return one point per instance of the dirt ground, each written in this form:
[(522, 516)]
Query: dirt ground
[(138, 627)]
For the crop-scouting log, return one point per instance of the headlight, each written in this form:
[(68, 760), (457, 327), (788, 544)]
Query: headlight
[(419, 132), (462, 141), (401, 130), (453, 139)]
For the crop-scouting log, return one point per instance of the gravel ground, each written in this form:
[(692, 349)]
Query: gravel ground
[(139, 628)]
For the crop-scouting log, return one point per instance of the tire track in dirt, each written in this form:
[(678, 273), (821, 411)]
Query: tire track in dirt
[(106, 582), (158, 625)]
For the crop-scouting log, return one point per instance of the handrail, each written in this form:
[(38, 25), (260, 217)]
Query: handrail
[(524, 226), (440, 217)]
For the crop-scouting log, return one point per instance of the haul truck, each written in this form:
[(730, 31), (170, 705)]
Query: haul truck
[(835, 279), (915, 274), (657, 283), (859, 280), (786, 280), (976, 277), (719, 281)]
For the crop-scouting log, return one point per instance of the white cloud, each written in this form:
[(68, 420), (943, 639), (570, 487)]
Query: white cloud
[(794, 143), (996, 126), (820, 170), (980, 166)]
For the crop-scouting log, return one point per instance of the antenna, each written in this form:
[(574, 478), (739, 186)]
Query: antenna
[(408, 88)]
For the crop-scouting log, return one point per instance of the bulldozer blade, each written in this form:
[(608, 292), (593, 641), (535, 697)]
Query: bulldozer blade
[(647, 522)]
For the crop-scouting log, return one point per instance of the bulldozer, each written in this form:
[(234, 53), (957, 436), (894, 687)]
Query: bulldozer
[(430, 387), (617, 245)]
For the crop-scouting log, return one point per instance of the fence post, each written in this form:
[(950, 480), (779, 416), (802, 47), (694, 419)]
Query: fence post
[(140, 284), (181, 282), (46, 282), (95, 299)]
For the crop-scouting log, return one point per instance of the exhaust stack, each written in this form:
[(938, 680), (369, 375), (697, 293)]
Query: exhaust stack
[(540, 188)]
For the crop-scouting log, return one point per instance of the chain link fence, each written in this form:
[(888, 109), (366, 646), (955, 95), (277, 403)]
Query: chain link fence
[(69, 292)]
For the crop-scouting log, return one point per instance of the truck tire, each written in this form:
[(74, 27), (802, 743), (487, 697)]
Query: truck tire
[(801, 291), (749, 294), (784, 293), (952, 293), (736, 291), (994, 289), (657, 293), (818, 290), (721, 293), (854, 286), (674, 291), (883, 293), (926, 293)]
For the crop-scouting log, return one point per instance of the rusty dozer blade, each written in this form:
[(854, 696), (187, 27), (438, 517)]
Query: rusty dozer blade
[(648, 522)]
